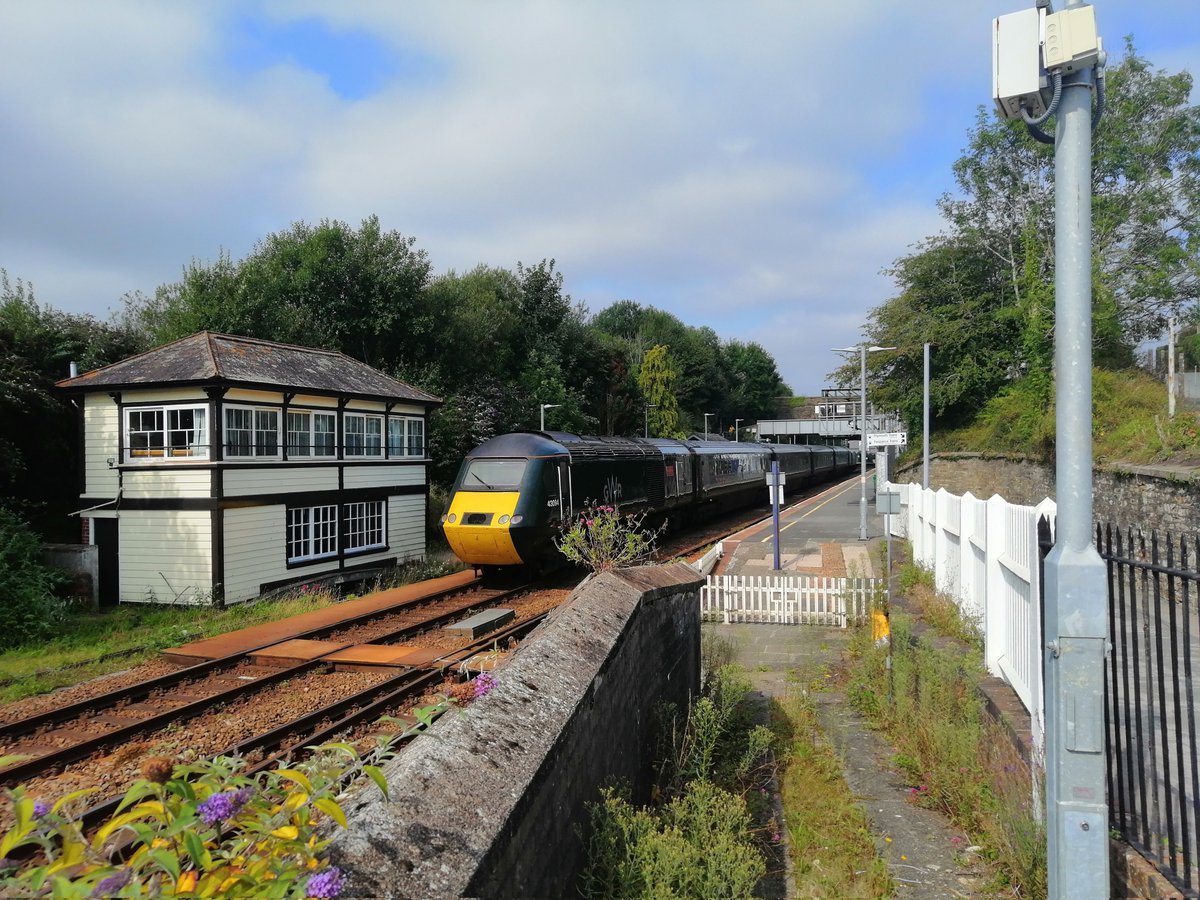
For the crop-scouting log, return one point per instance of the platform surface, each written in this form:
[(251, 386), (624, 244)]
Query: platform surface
[(258, 636)]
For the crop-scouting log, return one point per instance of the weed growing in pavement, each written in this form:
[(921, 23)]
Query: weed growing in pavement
[(205, 829), (706, 832), (832, 848), (602, 539), (954, 760)]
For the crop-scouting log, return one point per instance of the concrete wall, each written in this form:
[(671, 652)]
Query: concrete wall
[(1158, 498), (485, 803)]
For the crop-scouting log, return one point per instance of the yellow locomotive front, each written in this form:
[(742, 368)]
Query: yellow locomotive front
[(506, 503)]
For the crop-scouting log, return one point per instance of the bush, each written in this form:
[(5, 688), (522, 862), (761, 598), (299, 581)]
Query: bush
[(602, 539), (206, 829), (29, 607), (699, 838)]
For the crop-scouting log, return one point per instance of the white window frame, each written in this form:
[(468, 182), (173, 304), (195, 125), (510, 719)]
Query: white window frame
[(313, 531), (196, 448), (406, 437), (258, 427), (312, 447), (366, 526), (365, 442)]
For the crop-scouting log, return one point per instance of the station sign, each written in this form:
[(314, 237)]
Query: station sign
[(887, 439)]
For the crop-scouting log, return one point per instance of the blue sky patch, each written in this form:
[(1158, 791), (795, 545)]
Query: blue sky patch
[(355, 63)]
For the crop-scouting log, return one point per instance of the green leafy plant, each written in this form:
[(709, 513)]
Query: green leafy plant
[(29, 606), (206, 829), (602, 539)]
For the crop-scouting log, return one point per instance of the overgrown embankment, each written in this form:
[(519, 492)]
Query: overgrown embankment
[(1129, 423), (956, 759)]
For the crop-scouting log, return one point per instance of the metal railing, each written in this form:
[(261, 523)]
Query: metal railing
[(1150, 697)]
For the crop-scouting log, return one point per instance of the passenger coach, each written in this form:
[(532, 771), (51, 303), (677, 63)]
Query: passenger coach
[(514, 492)]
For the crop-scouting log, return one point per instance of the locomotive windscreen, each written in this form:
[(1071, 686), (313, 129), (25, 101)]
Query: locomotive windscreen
[(493, 475)]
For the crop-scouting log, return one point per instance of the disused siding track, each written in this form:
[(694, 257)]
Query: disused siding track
[(68, 734), (339, 720)]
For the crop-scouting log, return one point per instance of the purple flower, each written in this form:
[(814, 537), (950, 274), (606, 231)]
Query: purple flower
[(776, 837), (220, 807), (484, 684), (113, 883), (325, 884), (40, 809)]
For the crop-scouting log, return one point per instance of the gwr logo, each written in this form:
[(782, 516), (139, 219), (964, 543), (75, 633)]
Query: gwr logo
[(612, 490)]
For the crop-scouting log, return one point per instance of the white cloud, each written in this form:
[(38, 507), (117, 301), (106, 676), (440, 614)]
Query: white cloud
[(750, 166)]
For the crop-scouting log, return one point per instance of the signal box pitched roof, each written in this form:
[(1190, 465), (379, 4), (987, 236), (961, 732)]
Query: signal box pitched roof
[(208, 358)]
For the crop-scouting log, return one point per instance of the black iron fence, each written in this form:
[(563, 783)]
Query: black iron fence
[(1150, 697)]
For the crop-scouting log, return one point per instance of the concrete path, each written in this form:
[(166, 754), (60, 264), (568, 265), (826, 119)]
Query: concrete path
[(926, 855)]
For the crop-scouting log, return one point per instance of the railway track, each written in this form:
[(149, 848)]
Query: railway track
[(56, 738)]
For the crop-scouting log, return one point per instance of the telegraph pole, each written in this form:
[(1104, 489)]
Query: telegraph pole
[(1076, 589)]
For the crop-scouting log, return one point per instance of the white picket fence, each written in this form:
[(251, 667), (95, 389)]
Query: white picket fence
[(984, 554), (788, 599)]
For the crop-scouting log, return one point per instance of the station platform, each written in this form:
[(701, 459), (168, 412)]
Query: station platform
[(817, 536), (260, 636)]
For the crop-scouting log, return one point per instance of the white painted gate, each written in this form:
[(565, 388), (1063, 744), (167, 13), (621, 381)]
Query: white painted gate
[(788, 599)]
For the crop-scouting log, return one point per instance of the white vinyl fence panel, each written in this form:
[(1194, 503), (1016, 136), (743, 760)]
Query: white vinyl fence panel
[(984, 554), (788, 599)]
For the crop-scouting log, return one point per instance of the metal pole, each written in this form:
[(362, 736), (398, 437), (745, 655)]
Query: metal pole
[(543, 425), (925, 427), (775, 506), (647, 411), (1076, 619), (862, 475), (1171, 367)]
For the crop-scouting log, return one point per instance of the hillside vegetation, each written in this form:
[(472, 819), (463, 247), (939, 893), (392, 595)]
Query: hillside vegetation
[(1129, 423)]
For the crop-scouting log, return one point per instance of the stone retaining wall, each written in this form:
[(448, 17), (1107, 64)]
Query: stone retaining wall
[(1153, 498), (484, 803)]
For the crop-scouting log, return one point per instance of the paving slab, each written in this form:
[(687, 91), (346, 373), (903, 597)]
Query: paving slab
[(482, 622)]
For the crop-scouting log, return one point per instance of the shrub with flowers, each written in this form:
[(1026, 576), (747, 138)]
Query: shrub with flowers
[(602, 539), (206, 829)]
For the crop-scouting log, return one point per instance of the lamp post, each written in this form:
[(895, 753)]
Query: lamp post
[(706, 415), (862, 450), (649, 406), (546, 406), (736, 432)]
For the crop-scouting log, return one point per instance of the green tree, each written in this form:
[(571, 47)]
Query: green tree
[(39, 427), (326, 285), (657, 381), (982, 291)]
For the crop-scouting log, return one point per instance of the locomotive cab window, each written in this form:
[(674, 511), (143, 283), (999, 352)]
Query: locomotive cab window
[(493, 475)]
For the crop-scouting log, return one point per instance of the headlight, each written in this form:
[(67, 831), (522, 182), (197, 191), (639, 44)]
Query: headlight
[(443, 520), (450, 518), (504, 520), (516, 520)]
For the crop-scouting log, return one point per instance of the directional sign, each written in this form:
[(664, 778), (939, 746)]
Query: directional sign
[(889, 439)]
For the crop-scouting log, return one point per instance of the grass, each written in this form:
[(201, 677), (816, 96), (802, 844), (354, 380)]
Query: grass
[(91, 644), (953, 757), (832, 848), (1129, 423)]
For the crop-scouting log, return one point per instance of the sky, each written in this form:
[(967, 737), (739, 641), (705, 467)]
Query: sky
[(753, 167)]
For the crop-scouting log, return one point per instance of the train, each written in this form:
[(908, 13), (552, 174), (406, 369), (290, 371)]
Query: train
[(514, 492)]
